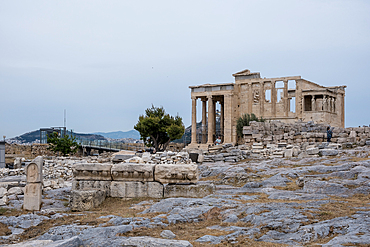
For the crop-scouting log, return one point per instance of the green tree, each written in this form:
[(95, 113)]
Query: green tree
[(157, 128), (244, 121), (65, 145)]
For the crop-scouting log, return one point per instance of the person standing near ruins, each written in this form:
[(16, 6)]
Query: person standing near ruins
[(329, 134), (218, 141)]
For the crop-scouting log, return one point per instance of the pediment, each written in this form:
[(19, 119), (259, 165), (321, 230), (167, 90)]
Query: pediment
[(244, 72)]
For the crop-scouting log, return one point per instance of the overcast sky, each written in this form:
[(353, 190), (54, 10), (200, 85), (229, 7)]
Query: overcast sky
[(105, 62)]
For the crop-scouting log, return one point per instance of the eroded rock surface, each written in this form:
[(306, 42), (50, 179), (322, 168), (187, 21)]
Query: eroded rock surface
[(294, 201)]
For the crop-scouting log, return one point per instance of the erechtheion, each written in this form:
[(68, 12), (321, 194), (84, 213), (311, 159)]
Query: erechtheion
[(288, 99)]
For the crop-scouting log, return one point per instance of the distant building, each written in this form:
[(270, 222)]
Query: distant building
[(44, 132), (288, 99), (2, 154)]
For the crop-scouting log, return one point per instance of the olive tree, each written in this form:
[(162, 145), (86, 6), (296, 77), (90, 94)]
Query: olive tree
[(157, 129), (66, 144)]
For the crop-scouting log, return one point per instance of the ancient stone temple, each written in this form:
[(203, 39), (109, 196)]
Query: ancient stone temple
[(288, 99)]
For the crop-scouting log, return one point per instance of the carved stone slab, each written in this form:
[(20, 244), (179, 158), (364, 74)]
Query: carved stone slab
[(32, 197), (34, 170), (184, 173), (133, 172), (81, 200), (91, 185), (92, 171), (136, 189)]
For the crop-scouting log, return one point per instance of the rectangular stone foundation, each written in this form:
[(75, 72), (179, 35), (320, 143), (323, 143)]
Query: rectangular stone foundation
[(91, 185), (136, 189), (82, 200), (191, 190)]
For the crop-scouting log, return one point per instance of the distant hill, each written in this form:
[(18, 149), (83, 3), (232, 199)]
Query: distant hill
[(134, 134), (33, 136)]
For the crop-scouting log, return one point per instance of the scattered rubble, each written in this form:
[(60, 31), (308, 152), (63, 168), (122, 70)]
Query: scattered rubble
[(299, 195)]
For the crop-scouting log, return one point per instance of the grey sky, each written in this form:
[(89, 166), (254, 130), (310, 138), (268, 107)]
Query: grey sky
[(107, 61)]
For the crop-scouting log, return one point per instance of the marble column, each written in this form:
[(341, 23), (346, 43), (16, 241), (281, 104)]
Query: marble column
[(286, 101), (273, 98), (193, 120), (228, 122), (262, 99), (210, 120), (214, 116), (204, 120), (222, 120), (250, 98)]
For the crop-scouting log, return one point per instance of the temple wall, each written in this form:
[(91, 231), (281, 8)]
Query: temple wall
[(273, 132)]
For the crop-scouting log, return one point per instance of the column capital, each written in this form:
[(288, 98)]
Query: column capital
[(193, 97), (209, 96)]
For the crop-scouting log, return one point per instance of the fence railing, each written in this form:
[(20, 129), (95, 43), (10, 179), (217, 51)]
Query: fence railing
[(111, 144)]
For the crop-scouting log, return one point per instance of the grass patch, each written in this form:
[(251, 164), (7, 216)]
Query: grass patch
[(4, 230), (338, 207), (111, 206)]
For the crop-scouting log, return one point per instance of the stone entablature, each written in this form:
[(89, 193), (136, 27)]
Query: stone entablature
[(288, 99), (176, 173), (133, 172), (94, 182)]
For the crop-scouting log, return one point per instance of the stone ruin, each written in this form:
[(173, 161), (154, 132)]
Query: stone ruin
[(94, 182), (274, 132), (33, 190), (288, 99)]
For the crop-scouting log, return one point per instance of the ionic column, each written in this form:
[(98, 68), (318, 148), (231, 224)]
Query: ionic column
[(214, 116), (228, 124), (262, 99), (340, 109), (286, 107), (204, 120), (193, 120), (222, 120), (250, 97), (210, 120), (273, 98)]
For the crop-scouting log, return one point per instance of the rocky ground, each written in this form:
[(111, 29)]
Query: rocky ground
[(314, 201)]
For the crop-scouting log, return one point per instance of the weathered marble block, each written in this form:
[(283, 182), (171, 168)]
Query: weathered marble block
[(91, 185), (92, 171), (81, 200), (32, 196), (136, 189), (133, 172), (191, 190), (34, 170), (176, 173)]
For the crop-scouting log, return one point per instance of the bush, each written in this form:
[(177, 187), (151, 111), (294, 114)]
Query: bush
[(157, 128), (65, 145), (244, 120)]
